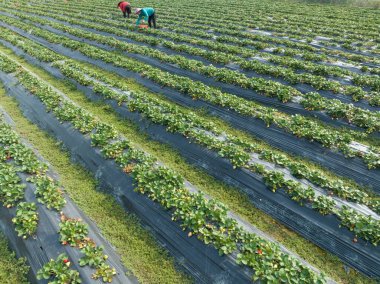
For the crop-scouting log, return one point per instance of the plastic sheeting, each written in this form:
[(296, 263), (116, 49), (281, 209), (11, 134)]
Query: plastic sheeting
[(322, 230), (202, 262), (316, 44), (290, 107), (353, 168), (38, 251)]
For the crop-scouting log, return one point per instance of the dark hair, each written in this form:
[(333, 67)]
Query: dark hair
[(118, 5)]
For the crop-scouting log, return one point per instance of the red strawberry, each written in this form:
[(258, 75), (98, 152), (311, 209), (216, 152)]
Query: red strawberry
[(66, 260), (259, 251)]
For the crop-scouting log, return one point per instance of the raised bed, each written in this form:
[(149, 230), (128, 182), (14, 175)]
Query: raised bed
[(302, 219)]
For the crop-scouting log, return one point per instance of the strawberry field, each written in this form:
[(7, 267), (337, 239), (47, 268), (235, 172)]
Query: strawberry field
[(241, 141)]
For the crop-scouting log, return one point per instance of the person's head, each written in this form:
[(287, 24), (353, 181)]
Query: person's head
[(138, 11), (118, 4)]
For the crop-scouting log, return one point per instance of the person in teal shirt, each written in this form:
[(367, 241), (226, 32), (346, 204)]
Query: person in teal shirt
[(147, 14)]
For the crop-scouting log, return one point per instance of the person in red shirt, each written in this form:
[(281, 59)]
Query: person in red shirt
[(125, 7)]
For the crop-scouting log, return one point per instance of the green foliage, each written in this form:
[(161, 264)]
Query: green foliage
[(48, 192), (58, 271), (136, 162), (12, 269), (72, 231), (26, 219)]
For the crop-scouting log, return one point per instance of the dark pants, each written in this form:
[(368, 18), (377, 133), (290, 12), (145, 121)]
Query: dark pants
[(152, 19), (127, 11)]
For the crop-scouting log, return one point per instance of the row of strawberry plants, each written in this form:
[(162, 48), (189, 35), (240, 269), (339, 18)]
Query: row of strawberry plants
[(192, 25), (190, 124), (317, 81), (281, 45), (336, 29), (239, 152), (243, 34), (335, 108), (334, 41), (15, 157), (205, 218), (104, 18), (269, 88), (168, 12), (258, 41), (236, 29), (239, 41), (207, 23), (296, 64), (343, 42), (346, 25), (237, 157), (343, 16), (295, 124), (49, 56), (280, 30), (292, 11)]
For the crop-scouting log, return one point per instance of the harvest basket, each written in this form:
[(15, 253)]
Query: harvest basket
[(143, 26)]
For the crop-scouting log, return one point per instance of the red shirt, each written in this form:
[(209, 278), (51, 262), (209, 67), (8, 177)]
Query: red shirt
[(123, 6)]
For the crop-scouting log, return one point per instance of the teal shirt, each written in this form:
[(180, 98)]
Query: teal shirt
[(144, 14)]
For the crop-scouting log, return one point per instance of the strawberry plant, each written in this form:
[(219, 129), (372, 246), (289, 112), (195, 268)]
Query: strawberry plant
[(299, 170), (362, 226), (114, 150), (26, 159), (325, 205), (26, 219), (93, 256), (274, 180), (58, 271), (372, 160), (104, 272), (300, 193), (72, 232), (102, 135), (48, 192), (11, 188)]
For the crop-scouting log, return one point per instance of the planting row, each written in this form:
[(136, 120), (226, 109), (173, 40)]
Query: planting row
[(226, 34), (211, 45), (254, 20), (288, 73), (228, 24), (20, 166), (166, 187), (348, 24), (261, 193), (297, 124), (239, 152), (295, 30)]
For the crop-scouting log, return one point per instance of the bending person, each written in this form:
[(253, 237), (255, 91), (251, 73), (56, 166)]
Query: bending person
[(125, 7), (147, 14)]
